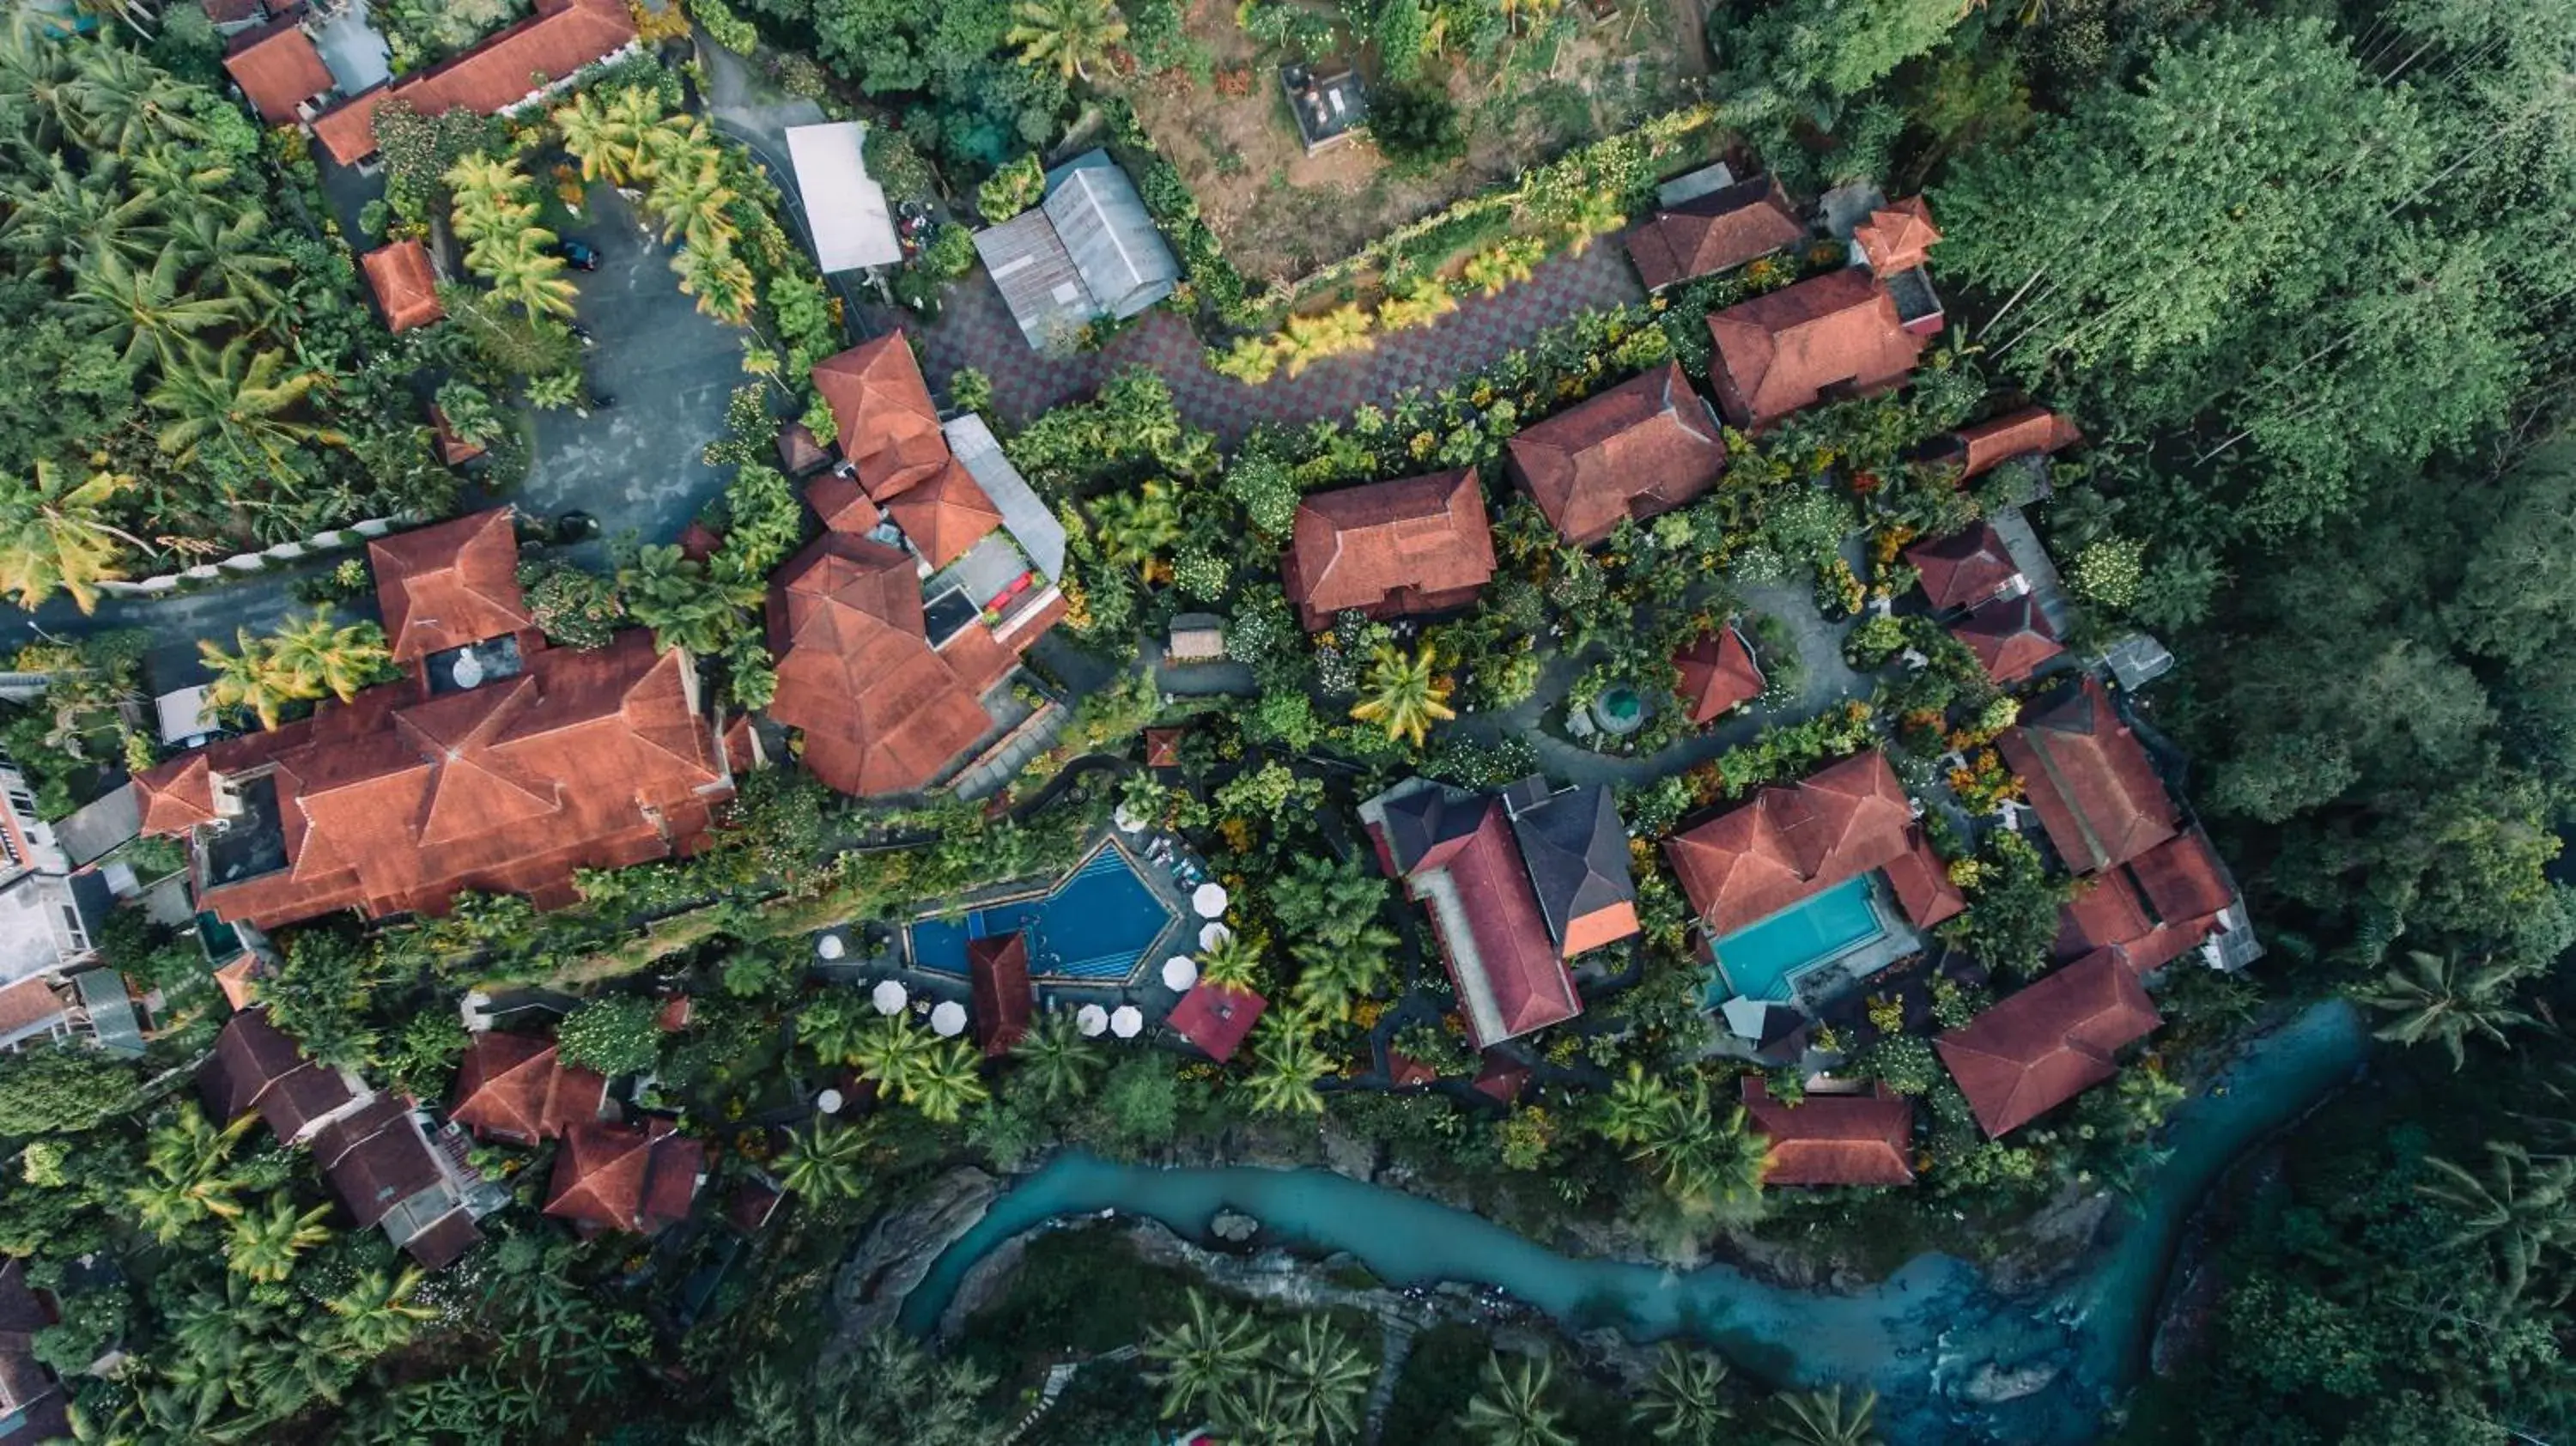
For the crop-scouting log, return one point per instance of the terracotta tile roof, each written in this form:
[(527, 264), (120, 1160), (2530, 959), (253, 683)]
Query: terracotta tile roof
[(889, 428), (26, 1005), (1834, 1139), (634, 1179), (277, 68), (515, 1087), (698, 542), (1163, 747), (395, 803), (449, 585), (2152, 910), (2088, 778), (1789, 843), (239, 980), (559, 39), (1404, 1071), (840, 505), (2183, 878), (1837, 334), (2010, 636), (2032, 430), (944, 515), (1493, 937), (405, 284), (256, 1067), (1644, 447), (2048, 1043), (997, 975), (1216, 1017), (1389, 549), (1716, 232), (1717, 674), (233, 12), (798, 450), (452, 448), (1899, 236), (1575, 849), (881, 712), (1503, 1077), (177, 795), (1922, 883), (1965, 568), (751, 1207)]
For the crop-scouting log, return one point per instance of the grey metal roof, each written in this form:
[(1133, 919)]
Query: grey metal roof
[(1576, 850), (99, 826), (111, 1012), (1031, 523), (1115, 245), (1027, 260)]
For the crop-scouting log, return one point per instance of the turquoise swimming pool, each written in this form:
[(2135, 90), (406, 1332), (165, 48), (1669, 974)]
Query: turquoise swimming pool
[(1097, 925), (1758, 960)]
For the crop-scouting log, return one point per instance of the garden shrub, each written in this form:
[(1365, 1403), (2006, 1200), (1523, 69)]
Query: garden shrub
[(1011, 190), (1417, 126)]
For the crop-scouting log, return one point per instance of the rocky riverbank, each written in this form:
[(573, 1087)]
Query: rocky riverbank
[(898, 1250)]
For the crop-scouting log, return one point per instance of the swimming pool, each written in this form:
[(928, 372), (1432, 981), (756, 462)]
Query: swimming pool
[(1759, 960), (1096, 925)]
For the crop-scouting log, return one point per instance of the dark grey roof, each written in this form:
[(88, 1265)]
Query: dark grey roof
[(111, 1012), (100, 825), (1576, 850), (1426, 817)]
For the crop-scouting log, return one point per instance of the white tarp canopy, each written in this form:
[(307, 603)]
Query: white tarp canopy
[(847, 210), (949, 1019), (184, 714)]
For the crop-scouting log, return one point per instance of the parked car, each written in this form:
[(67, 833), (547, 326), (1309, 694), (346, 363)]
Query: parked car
[(576, 253)]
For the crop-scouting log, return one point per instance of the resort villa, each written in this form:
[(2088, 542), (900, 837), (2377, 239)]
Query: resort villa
[(1640, 449), (1390, 549), (1845, 334), (1717, 231), (1717, 674), (1516, 885)]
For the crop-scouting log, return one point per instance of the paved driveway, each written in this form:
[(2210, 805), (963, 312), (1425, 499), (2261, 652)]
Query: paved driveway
[(635, 465)]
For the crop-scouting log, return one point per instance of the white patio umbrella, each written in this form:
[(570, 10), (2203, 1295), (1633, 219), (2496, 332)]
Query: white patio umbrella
[(949, 1019), (829, 1102), (1180, 972), (889, 996), (1212, 934), (830, 946), (1127, 1021), (1208, 899), (1091, 1019)]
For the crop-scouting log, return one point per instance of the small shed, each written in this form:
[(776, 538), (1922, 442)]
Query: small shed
[(844, 206), (1090, 250), (1197, 638), (1327, 101)]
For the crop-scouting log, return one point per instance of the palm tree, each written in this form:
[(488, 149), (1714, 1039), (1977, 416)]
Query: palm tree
[(888, 1050), (249, 678), (944, 1083), (244, 401), (126, 103), (1285, 1067), (1234, 960), (224, 255), (606, 135), (147, 309), (1202, 1362), (1068, 36), (1135, 527), (1057, 1060), (721, 281), (377, 1313), (265, 1243), (1629, 1112), (52, 536), (2442, 1000), (1333, 977), (74, 219), (1705, 1158), (524, 274), (1324, 1378), (1512, 1409), (691, 202), (1404, 693), (186, 1159), (1819, 1418), (826, 1162), (325, 656), (2518, 1212), (832, 1027), (1684, 1400)]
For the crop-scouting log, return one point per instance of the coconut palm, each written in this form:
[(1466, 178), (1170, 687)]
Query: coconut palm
[(489, 196), (1286, 1064), (71, 219), (377, 1313), (832, 1027), (1333, 977), (1136, 527), (53, 537), (887, 1051), (38, 98), (1703, 1157), (721, 281), (1234, 960), (265, 1242), (1056, 1060), (246, 403), (147, 309), (248, 678), (945, 1081), (1684, 1399), (1404, 693), (691, 200), (224, 255), (1066, 36), (1630, 1111), (605, 134), (2517, 1212), (826, 1162), (324, 656), (1203, 1361), (1819, 1418), (188, 1176), (1324, 1380), (2437, 998), (125, 103), (1511, 1408), (523, 274)]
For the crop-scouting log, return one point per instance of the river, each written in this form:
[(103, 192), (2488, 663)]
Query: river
[(1916, 1337)]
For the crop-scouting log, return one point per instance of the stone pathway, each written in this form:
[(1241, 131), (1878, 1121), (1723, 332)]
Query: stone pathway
[(977, 331)]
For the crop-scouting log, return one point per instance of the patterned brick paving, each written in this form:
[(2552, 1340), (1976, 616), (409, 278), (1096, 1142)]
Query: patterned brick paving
[(977, 331)]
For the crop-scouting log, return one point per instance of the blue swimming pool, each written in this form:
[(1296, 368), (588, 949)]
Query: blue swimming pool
[(1095, 925), (1759, 960)]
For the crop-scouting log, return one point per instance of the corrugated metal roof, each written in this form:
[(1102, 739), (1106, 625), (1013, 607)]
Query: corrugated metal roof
[(1031, 523), (1038, 280), (111, 1012), (1103, 223), (100, 825), (845, 207)]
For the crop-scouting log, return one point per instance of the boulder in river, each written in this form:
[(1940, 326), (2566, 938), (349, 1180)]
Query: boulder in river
[(1993, 1384), (1233, 1226)]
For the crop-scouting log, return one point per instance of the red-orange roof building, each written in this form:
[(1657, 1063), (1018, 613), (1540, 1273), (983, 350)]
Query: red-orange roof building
[(997, 974), (1216, 1018), (1389, 549), (2089, 779), (1825, 339), (635, 1179), (881, 406), (515, 1087), (1863, 1139), (1717, 232), (405, 284), (504, 773), (278, 68), (1965, 568), (2151, 910), (1718, 675), (2030, 432), (1639, 449), (512, 67), (1790, 843), (1898, 236), (2049, 1043), (2010, 636)]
